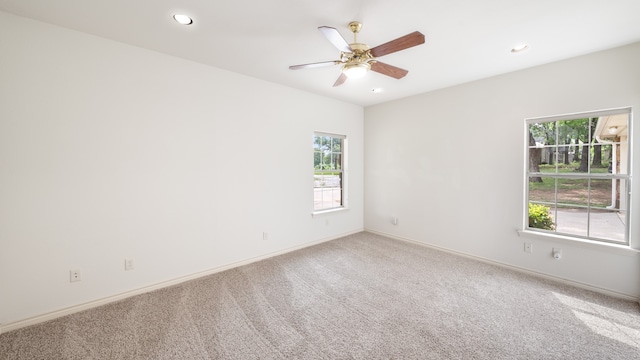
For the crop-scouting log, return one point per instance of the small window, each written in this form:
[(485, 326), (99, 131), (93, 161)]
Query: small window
[(328, 171), (578, 175)]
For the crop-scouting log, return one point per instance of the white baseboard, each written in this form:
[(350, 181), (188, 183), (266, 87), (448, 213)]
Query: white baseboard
[(92, 304), (515, 268)]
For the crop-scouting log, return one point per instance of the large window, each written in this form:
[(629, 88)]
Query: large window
[(578, 179), (328, 171)]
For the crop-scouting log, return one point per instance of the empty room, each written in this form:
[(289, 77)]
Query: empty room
[(319, 180)]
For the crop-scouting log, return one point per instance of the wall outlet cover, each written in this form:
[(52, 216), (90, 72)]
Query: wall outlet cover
[(128, 264), (75, 275)]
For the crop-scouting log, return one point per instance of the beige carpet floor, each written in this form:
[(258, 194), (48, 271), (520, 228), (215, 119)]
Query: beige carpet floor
[(359, 297)]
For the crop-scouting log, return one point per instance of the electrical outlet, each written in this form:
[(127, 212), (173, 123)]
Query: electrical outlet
[(128, 264), (528, 247), (394, 220), (265, 236), (75, 275)]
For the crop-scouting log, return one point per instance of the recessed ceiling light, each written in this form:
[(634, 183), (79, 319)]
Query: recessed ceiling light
[(519, 48), (183, 19)]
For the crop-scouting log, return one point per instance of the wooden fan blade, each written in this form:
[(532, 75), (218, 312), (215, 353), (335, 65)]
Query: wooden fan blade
[(341, 79), (335, 38), (401, 43), (314, 65), (389, 70)]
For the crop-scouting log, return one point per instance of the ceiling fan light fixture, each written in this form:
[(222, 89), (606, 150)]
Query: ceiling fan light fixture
[(183, 19), (356, 70)]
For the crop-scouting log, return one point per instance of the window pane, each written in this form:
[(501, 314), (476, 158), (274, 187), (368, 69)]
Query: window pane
[(544, 133), (618, 163), (548, 160), (565, 155), (583, 158), (337, 145), (621, 194), (591, 126), (326, 198), (566, 132), (317, 198), (571, 220), (542, 189), (601, 192), (535, 158), (599, 164), (606, 152), (573, 192), (326, 143), (607, 224)]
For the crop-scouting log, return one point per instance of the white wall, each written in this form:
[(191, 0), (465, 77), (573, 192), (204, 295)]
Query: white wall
[(449, 165), (109, 151)]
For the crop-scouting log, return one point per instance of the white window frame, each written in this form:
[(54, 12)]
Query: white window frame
[(343, 174), (626, 177)]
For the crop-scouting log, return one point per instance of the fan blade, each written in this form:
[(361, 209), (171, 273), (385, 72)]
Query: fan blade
[(341, 79), (314, 65), (389, 70), (335, 38), (401, 43)]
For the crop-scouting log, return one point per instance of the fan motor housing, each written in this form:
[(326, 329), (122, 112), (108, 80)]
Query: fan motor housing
[(360, 53), (359, 47)]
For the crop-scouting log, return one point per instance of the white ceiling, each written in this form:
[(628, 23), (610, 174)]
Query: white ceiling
[(466, 40)]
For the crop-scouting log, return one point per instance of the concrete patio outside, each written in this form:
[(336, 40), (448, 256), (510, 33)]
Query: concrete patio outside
[(609, 225)]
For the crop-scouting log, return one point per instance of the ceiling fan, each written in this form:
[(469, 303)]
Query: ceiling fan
[(357, 58)]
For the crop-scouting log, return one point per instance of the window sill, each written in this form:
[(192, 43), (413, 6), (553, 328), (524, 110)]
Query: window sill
[(612, 248), (327, 212)]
